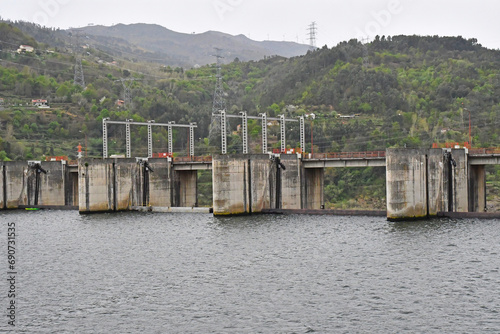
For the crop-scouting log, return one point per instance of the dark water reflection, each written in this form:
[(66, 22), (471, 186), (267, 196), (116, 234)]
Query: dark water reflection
[(184, 273)]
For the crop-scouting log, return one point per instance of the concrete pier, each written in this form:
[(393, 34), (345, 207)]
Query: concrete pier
[(186, 189), (477, 188), (406, 177), (34, 183), (314, 188), (420, 183), (120, 184), (424, 182), (96, 185), (160, 183), (245, 184)]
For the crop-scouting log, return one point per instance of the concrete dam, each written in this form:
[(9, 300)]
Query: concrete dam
[(420, 183)]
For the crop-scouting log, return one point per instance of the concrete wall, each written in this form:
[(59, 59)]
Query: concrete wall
[(52, 184), (423, 182), (186, 188), (437, 181), (160, 183), (477, 188), (291, 184), (96, 185), (406, 183), (262, 182), (460, 181), (15, 183), (19, 186), (251, 183), (230, 194), (243, 184), (120, 184), (314, 188), (128, 184), (2, 187)]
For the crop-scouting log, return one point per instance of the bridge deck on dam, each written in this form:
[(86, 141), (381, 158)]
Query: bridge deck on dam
[(345, 159), (484, 159)]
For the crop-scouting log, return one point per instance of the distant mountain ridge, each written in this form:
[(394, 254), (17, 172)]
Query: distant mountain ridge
[(181, 49)]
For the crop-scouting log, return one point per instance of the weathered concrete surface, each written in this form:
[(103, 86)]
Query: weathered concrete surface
[(160, 183), (186, 188), (437, 182), (72, 189), (96, 185), (170, 209), (120, 184), (22, 185), (52, 184), (291, 184), (262, 183), (244, 184), (2, 186), (15, 184), (368, 213), (314, 188), (230, 194), (406, 183), (460, 181), (127, 184), (477, 188)]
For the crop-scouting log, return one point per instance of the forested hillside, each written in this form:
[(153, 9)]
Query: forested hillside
[(393, 92)]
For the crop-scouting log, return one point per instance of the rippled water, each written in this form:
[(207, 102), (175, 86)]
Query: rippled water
[(185, 273)]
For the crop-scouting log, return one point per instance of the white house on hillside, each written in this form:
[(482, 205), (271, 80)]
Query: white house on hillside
[(25, 49)]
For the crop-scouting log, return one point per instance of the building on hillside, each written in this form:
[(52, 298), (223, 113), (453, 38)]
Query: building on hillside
[(120, 103), (1, 101), (40, 103), (25, 49)]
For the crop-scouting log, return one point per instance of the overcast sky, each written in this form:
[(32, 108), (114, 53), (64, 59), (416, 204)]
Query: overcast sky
[(336, 20)]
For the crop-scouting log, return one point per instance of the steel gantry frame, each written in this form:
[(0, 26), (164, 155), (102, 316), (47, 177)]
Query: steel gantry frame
[(244, 128), (127, 136), (191, 139), (170, 137), (244, 131), (150, 139), (149, 124), (264, 133), (223, 130), (302, 134)]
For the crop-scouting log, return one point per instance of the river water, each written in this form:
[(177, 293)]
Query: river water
[(193, 273)]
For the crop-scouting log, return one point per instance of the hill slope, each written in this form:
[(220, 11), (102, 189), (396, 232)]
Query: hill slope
[(190, 49), (397, 91)]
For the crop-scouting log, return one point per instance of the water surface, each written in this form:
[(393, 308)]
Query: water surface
[(193, 273)]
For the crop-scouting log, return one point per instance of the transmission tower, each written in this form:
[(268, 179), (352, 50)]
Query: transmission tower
[(219, 103), (79, 79), (312, 36), (127, 96)]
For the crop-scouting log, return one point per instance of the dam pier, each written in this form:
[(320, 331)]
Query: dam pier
[(420, 183)]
